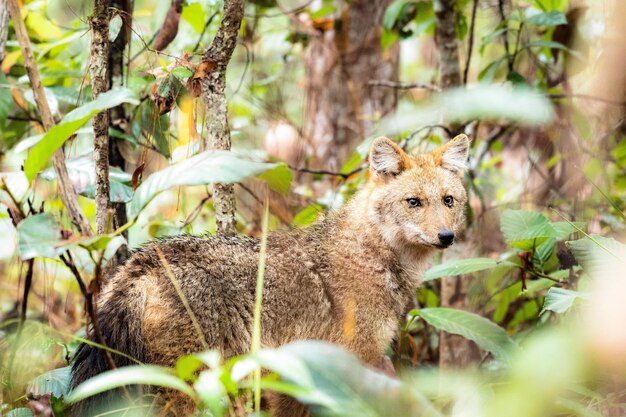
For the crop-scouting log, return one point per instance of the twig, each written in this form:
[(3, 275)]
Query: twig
[(283, 12), (91, 311), (401, 85), (470, 42), (344, 175), (405, 141), (505, 34), (561, 96), (68, 195), (204, 29)]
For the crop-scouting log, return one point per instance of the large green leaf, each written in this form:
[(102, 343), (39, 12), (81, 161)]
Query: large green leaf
[(39, 235), (465, 266), (525, 229), (597, 253), (56, 381), (83, 177), (193, 14), (57, 135), (334, 383), (204, 168), (130, 375), (560, 300), (20, 412), (278, 178), (486, 334), (551, 18), (6, 100)]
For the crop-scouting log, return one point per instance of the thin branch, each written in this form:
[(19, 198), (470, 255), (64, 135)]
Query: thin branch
[(505, 34), (470, 42), (344, 175), (68, 195), (560, 96), (91, 311), (204, 29), (402, 86), (282, 12)]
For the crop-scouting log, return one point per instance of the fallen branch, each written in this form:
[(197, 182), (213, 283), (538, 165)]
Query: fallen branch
[(68, 195)]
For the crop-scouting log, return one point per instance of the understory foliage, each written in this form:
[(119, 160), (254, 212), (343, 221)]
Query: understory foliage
[(540, 270)]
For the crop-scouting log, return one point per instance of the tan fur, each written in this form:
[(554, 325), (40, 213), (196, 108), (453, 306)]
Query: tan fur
[(345, 280)]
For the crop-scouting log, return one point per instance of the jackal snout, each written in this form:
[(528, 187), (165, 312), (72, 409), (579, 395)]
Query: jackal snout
[(446, 237)]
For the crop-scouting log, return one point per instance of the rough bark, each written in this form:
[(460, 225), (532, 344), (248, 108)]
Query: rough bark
[(68, 195), (447, 46), (454, 351), (341, 106), (98, 69), (118, 119), (4, 28), (216, 59)]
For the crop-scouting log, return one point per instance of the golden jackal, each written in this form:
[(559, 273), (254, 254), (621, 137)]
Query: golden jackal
[(361, 264)]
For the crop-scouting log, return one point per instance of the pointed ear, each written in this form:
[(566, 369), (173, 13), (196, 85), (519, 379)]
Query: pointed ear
[(387, 158), (453, 155)]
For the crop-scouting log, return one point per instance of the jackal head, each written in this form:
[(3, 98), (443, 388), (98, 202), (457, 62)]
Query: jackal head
[(418, 200)]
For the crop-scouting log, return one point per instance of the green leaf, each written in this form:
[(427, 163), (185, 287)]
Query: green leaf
[(194, 15), (486, 334), (308, 215), (560, 300), (323, 11), (130, 375), (54, 138), (551, 18), (525, 229), (204, 168), (39, 235), (182, 72), (83, 177), (465, 266), (278, 179), (565, 229), (334, 383), (6, 100), (56, 381), (392, 13), (546, 44), (20, 412), (597, 253)]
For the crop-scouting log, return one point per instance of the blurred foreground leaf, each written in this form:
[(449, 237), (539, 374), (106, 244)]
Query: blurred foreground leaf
[(560, 300), (56, 382)]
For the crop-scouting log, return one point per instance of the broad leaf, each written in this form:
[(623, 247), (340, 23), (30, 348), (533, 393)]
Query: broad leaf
[(560, 300), (57, 135), (56, 381), (20, 412), (334, 383), (278, 178), (204, 168), (565, 229), (130, 375), (83, 177), (39, 235), (193, 14), (465, 266), (486, 334), (597, 253), (551, 18), (525, 229), (6, 100)]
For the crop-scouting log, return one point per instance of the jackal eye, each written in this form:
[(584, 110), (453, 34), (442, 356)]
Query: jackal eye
[(414, 202), (448, 200)]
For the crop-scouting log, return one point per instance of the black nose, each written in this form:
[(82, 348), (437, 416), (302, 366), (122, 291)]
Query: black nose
[(446, 237)]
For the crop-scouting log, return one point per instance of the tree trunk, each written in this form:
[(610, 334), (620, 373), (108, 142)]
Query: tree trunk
[(118, 119), (340, 105), (4, 28), (98, 70), (454, 351), (215, 59)]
